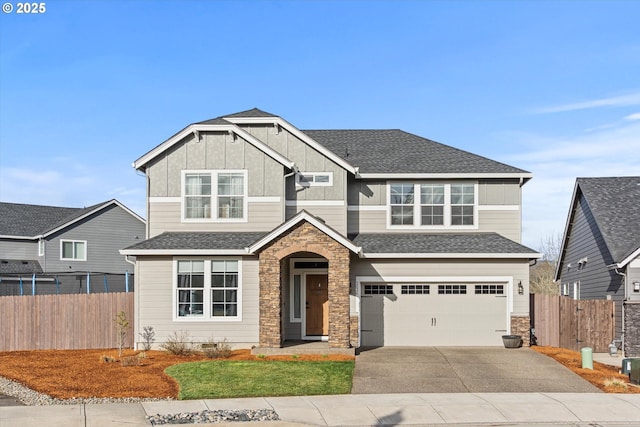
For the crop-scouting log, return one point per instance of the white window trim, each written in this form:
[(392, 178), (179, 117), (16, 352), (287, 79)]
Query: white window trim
[(314, 183), (214, 195), (417, 214), (206, 300), (86, 250), (41, 244)]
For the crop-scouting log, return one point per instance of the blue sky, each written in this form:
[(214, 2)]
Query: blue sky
[(89, 86)]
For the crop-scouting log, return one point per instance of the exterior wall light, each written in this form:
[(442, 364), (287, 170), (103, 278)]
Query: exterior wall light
[(520, 288), (636, 286)]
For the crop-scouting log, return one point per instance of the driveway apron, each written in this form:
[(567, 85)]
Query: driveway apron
[(460, 370)]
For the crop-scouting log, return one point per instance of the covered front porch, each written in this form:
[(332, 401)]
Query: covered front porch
[(304, 287)]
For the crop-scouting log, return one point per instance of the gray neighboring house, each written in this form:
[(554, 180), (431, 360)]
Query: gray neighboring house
[(50, 249), (600, 255), (261, 233)]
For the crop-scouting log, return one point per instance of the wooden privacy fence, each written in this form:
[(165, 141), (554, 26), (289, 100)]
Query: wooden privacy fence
[(564, 322), (64, 322)]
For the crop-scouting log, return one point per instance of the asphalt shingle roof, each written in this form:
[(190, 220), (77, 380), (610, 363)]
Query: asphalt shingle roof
[(425, 243), (11, 266), (31, 220), (615, 205), (199, 240), (397, 151)]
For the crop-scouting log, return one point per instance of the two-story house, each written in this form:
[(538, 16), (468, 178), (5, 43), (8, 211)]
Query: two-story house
[(52, 249), (259, 232), (600, 254)]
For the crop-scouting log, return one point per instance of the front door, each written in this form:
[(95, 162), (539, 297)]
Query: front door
[(317, 305)]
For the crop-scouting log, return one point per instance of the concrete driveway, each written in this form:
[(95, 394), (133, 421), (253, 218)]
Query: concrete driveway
[(460, 370)]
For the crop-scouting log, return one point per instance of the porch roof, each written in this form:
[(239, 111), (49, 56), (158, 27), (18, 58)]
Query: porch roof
[(14, 266), (441, 245), (192, 243)]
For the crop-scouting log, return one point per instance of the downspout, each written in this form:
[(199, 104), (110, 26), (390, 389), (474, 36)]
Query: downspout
[(624, 283), (294, 170)]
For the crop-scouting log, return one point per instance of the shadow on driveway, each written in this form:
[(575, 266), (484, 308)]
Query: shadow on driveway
[(462, 370)]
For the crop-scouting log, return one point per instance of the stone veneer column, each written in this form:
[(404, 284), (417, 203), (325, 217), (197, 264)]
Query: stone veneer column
[(304, 237), (520, 325), (632, 329)]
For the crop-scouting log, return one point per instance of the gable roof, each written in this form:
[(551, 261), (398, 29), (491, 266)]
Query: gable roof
[(298, 218), (28, 222), (613, 203), (373, 153), (441, 245), (394, 151)]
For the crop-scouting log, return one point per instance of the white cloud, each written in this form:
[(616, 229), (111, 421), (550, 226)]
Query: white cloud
[(614, 101), (61, 182), (632, 117), (557, 162)]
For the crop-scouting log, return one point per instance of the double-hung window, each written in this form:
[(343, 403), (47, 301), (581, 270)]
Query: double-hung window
[(462, 204), (73, 250), (208, 289), (401, 202), (215, 195), (432, 205)]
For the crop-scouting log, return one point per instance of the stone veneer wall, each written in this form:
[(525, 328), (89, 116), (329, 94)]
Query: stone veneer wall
[(354, 331), (632, 329), (304, 237), (520, 325)]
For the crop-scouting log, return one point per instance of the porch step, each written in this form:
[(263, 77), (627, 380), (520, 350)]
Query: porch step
[(302, 348)]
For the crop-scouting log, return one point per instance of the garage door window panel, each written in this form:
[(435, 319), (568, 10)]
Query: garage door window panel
[(452, 289), (378, 289)]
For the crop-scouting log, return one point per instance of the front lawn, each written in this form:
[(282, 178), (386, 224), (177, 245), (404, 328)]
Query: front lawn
[(228, 378)]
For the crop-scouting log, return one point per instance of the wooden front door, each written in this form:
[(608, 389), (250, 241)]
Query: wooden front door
[(317, 306)]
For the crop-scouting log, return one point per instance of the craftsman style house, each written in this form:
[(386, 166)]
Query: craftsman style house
[(261, 233), (600, 254)]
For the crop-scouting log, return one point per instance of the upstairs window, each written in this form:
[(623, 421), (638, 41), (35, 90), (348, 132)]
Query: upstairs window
[(314, 179), (73, 250), (214, 195), (462, 204), (435, 205), (401, 202)]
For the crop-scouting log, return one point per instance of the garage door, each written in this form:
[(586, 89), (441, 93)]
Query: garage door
[(444, 314)]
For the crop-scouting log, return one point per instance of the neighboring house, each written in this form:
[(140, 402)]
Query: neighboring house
[(600, 256), (259, 232), (48, 249)]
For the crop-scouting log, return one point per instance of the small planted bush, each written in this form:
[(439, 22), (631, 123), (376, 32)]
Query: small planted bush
[(179, 344), (130, 361), (148, 337), (216, 349)]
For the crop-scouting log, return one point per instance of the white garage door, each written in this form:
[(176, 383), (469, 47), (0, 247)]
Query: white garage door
[(442, 314)]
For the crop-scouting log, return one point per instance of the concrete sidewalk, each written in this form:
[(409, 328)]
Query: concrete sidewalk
[(436, 409)]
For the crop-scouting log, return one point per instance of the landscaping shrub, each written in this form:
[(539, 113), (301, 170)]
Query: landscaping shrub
[(216, 349), (179, 344), (148, 337), (130, 361)]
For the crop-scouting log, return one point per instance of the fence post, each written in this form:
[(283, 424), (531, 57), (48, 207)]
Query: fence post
[(21, 289), (33, 284), (126, 281), (57, 286), (88, 283), (106, 286)]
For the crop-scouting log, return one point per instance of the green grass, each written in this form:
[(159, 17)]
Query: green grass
[(224, 379)]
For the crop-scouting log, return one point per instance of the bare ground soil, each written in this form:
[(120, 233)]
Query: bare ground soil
[(66, 374), (606, 378)]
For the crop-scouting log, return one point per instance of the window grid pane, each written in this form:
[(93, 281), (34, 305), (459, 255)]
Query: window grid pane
[(462, 204), (378, 289), (230, 195), (197, 195), (415, 289), (190, 288), (224, 288), (452, 289), (489, 289)]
